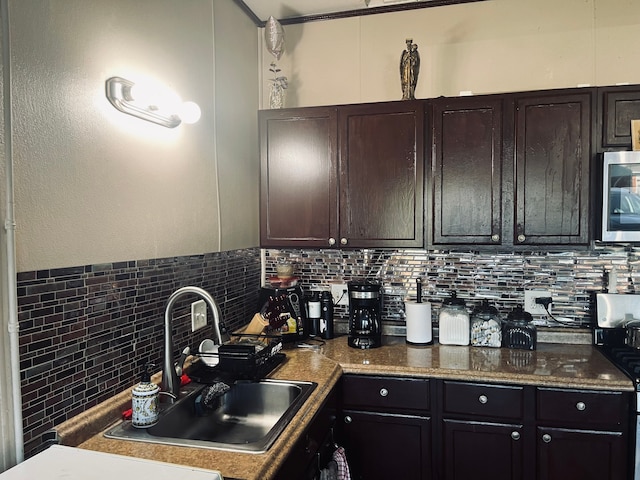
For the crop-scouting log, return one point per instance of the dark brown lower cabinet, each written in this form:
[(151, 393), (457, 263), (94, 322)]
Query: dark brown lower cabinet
[(416, 428), (581, 454), (315, 448), (582, 434), (482, 450), (385, 426), (382, 446)]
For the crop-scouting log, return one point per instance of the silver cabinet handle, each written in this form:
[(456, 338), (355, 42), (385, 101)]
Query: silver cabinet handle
[(332, 241), (515, 435), (343, 241), (348, 419), (521, 238), (546, 438), (483, 399), (495, 237), (581, 406), (384, 392)]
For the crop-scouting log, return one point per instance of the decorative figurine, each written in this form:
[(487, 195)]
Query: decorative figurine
[(409, 70), (279, 84)]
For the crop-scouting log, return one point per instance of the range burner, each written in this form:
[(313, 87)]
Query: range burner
[(626, 359)]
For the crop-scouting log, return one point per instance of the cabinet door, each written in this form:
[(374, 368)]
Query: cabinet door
[(553, 152), (618, 106), (298, 181), (382, 446), (382, 175), (482, 450), (467, 171), (313, 451), (587, 455)]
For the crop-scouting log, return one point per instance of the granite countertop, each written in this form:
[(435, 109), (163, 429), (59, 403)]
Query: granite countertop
[(551, 364), (554, 365), (300, 364)]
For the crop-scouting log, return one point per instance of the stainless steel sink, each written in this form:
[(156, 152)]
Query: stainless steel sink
[(248, 418)]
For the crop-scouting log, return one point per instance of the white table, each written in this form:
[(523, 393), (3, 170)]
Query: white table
[(59, 462)]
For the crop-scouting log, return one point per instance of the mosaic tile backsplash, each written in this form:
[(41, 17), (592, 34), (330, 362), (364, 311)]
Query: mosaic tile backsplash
[(573, 278), (86, 332)]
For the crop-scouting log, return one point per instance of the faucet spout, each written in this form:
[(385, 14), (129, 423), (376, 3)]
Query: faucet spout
[(170, 380)]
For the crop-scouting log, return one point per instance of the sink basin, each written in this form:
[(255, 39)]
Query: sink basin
[(248, 418)]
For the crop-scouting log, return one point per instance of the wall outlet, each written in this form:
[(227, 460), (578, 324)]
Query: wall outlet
[(339, 294), (530, 304), (198, 315)]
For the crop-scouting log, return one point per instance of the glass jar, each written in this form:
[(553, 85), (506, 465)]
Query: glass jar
[(486, 326), (518, 331), (453, 322)]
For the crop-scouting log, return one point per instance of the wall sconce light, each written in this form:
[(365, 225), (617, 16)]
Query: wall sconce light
[(125, 96)]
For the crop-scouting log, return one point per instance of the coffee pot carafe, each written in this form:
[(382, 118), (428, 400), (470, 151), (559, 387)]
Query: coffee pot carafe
[(365, 312)]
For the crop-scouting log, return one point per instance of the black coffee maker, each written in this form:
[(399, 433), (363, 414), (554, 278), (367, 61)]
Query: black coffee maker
[(365, 314)]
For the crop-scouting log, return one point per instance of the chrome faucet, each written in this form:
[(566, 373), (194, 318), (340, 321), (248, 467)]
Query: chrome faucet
[(170, 380)]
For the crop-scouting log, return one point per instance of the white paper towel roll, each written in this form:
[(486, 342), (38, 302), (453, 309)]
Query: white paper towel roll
[(419, 331)]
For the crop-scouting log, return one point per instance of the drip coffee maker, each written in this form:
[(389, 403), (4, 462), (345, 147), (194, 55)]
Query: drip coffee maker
[(365, 314)]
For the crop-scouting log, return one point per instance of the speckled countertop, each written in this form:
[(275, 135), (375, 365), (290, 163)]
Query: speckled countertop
[(300, 364), (552, 364), (561, 365)]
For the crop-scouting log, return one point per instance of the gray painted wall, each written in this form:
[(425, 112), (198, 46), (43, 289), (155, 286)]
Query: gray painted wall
[(95, 185)]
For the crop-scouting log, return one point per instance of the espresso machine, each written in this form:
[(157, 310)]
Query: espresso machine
[(365, 314)]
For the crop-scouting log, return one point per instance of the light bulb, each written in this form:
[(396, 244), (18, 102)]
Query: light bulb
[(190, 112)]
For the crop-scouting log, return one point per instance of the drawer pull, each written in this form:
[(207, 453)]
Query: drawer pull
[(581, 406), (483, 399), (332, 241), (546, 438), (515, 435), (384, 392), (343, 241), (348, 419), (495, 237)]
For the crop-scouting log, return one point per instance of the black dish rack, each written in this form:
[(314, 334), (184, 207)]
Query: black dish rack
[(245, 357)]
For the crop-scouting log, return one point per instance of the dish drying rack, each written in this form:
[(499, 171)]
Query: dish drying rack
[(244, 357)]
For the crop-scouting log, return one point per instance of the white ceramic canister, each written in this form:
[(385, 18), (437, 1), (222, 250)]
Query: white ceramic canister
[(419, 330), (145, 403), (453, 322)]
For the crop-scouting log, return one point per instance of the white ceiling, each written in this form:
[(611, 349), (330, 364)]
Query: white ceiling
[(287, 9)]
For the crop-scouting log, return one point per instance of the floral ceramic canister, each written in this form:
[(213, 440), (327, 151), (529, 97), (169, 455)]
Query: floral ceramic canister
[(145, 402)]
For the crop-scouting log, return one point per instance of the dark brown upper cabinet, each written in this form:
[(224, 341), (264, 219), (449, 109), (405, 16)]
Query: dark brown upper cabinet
[(507, 170), (298, 180), (553, 134), (466, 167), (344, 177), (617, 106), (512, 170), (381, 175)]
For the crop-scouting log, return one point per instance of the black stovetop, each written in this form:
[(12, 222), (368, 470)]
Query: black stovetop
[(626, 358)]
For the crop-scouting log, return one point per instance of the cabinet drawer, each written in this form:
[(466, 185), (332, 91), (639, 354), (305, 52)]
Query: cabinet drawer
[(481, 399), (385, 393), (582, 406)]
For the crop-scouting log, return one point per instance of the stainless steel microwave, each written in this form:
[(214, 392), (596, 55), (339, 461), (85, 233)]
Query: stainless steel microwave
[(621, 197)]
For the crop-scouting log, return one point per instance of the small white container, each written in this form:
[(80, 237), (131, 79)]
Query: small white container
[(145, 403), (454, 322)]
